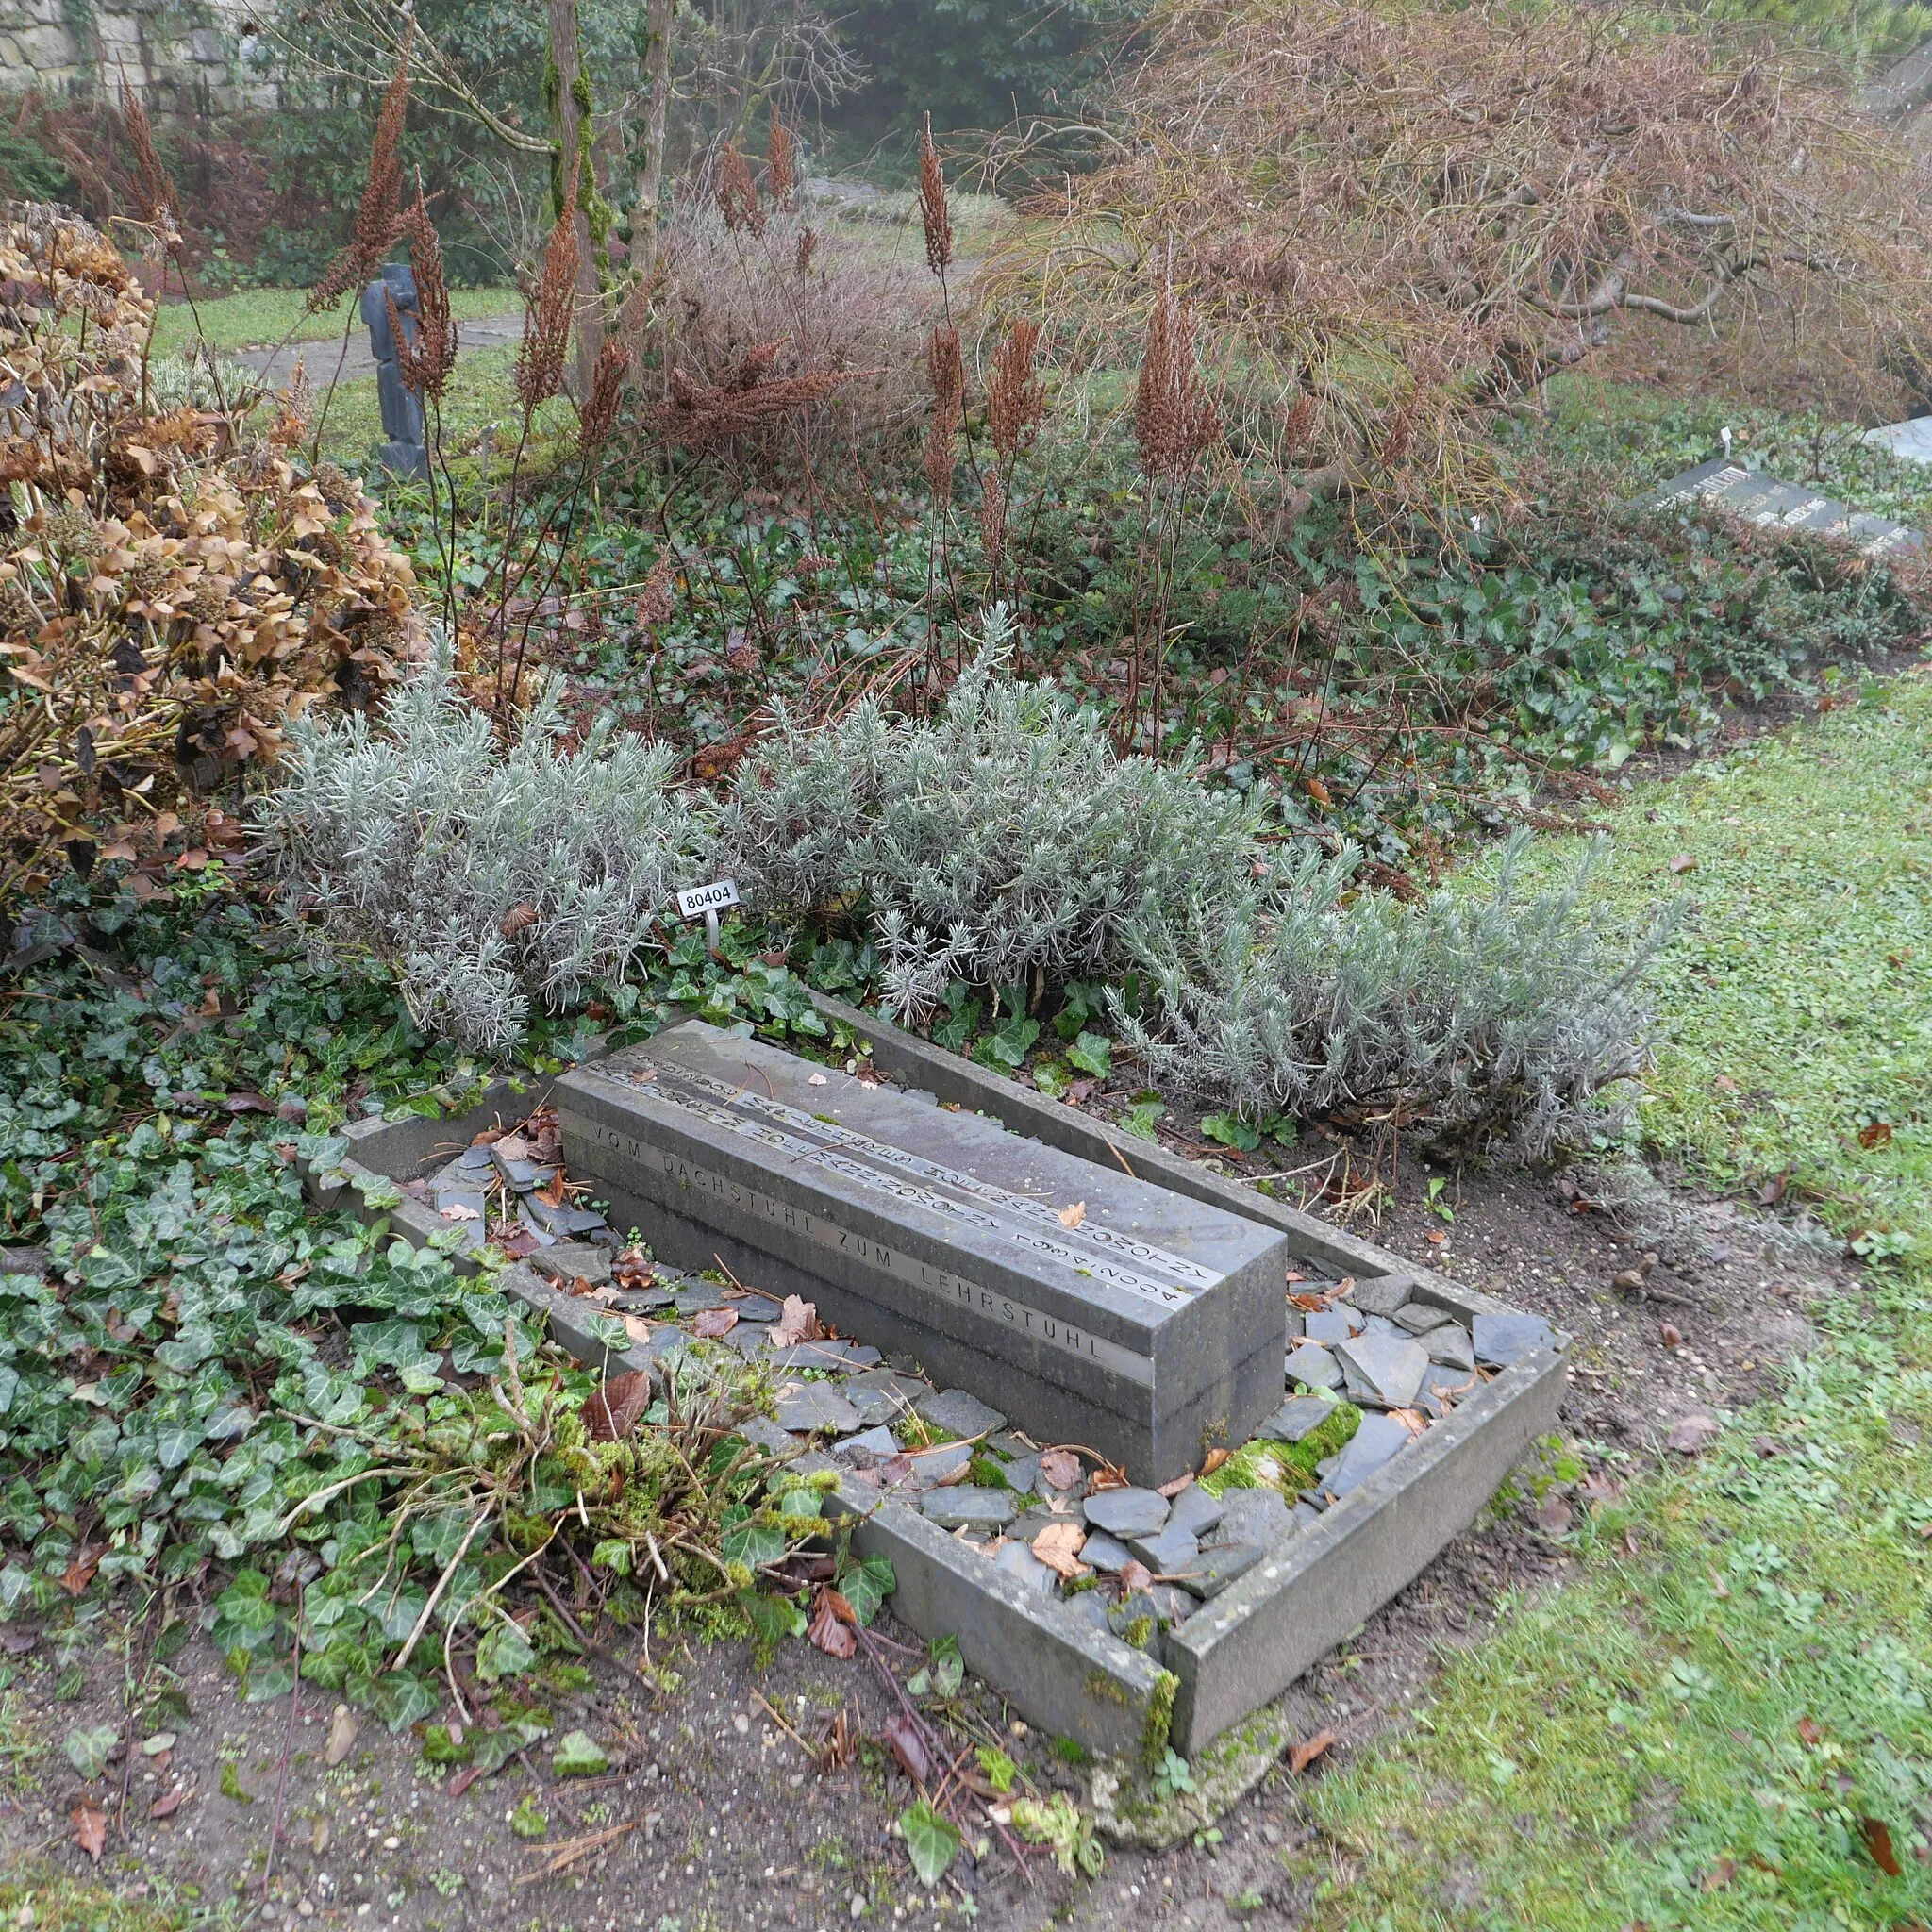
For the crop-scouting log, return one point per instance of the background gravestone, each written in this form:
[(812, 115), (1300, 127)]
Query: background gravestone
[(1765, 501), (405, 454)]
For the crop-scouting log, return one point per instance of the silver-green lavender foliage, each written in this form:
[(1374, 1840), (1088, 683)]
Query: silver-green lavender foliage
[(996, 843), (485, 880), (1486, 1018)]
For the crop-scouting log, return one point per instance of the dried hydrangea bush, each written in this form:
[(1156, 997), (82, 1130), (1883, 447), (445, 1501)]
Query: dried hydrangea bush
[(485, 878), (170, 594)]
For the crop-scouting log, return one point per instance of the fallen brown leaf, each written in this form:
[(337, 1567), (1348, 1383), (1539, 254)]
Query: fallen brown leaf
[(1213, 1460), (1060, 1468), (1808, 1731), (1689, 1434), (80, 1569), (1598, 1488), (456, 1211), (1670, 1335), (612, 1411), (798, 1321), (1414, 1420), (712, 1325), (1183, 1481), (1554, 1515), (169, 1803), (1877, 1836), (1059, 1547), (1875, 1134), (1683, 863), (1073, 1216), (90, 1830), (903, 1740), (637, 1327), (1303, 1754), (828, 1631), (1719, 1874), (341, 1735), (1135, 1576)]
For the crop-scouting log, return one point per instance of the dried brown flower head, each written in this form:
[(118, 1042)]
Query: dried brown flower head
[(932, 205), (1298, 421), (808, 247), (656, 601), (424, 365), (1173, 419), (598, 416), (375, 216), (746, 397), (738, 193), (992, 515), (946, 368), (1015, 400), (547, 315), (780, 161), (157, 190)]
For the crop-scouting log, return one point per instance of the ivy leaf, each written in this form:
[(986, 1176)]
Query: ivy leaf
[(579, 1755), (87, 1751), (1231, 1131), (866, 1584), (930, 1839), (1092, 1053), (505, 1652), (754, 1544)]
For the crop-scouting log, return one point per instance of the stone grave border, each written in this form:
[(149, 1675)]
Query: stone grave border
[(1239, 1650)]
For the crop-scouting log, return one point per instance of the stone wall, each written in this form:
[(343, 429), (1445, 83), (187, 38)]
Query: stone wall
[(183, 57)]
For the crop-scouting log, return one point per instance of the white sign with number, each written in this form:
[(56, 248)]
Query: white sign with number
[(698, 900)]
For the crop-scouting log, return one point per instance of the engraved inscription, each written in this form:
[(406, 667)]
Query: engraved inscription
[(1055, 1332)]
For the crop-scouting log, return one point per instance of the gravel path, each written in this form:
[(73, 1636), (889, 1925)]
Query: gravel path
[(485, 332)]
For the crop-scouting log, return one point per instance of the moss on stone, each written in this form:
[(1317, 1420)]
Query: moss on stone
[(1158, 1727), (1262, 1464)]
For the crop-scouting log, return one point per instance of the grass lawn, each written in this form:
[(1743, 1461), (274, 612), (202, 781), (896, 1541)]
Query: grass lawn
[(1723, 1721), (260, 317)]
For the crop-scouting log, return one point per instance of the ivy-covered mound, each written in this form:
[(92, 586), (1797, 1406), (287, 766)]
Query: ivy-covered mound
[(208, 1388)]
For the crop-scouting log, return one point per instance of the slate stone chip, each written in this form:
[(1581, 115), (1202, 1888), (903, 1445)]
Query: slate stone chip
[(757, 1308), (811, 1407), (1168, 1552), (1392, 1365), (698, 1298), (1126, 1513), (930, 1466), (967, 1507), (1215, 1568), (1330, 1326), (1419, 1317), (1382, 1295), (1253, 1516), (1372, 1444), (1195, 1511), (1299, 1416), (1105, 1552), (1023, 1474), (1313, 1367), (959, 1414), (867, 1449), (879, 1395), (575, 1261), (1016, 1559), (1450, 1346), (1501, 1340)]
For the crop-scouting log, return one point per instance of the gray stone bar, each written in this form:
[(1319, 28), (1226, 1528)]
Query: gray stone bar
[(1149, 1325)]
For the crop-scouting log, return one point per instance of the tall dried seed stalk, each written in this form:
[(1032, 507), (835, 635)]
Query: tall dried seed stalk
[(548, 313), (780, 161), (425, 366), (599, 415), (948, 370), (932, 205), (738, 193), (375, 228), (807, 248), (1015, 399), (992, 516), (157, 190), (1173, 419)]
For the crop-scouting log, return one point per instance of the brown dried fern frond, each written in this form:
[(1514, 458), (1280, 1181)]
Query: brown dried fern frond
[(933, 214), (548, 313), (1015, 398), (362, 260)]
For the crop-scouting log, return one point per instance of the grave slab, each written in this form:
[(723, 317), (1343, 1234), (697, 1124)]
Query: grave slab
[(1768, 502), (1150, 1325)]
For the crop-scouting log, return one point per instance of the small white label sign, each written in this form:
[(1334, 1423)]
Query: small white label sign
[(711, 898)]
